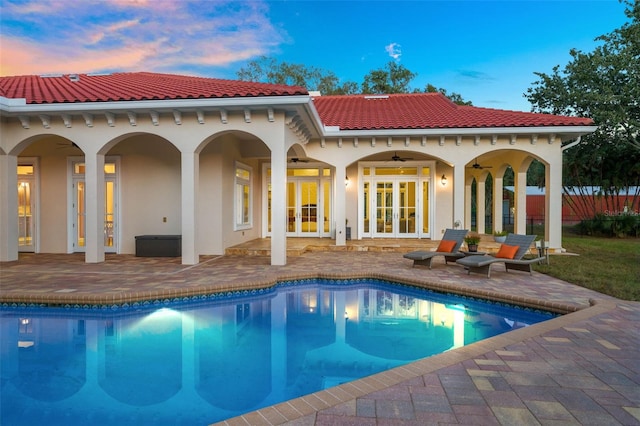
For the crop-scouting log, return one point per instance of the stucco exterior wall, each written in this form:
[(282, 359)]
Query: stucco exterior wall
[(149, 189)]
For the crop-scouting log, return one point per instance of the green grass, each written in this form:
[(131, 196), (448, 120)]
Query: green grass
[(606, 265)]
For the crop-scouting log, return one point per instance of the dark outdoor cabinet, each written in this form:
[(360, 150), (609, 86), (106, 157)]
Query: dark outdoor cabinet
[(159, 245)]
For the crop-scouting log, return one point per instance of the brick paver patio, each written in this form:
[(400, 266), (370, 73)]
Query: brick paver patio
[(580, 368)]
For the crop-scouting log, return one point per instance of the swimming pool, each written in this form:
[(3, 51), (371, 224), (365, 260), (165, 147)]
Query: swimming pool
[(203, 359)]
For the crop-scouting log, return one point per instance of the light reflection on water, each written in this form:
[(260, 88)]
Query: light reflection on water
[(182, 364)]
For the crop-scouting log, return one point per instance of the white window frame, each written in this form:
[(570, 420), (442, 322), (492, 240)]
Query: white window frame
[(238, 199)]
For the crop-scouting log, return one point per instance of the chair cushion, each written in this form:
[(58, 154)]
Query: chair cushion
[(507, 252), (446, 246)]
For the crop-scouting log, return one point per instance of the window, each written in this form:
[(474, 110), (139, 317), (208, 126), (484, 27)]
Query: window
[(242, 212)]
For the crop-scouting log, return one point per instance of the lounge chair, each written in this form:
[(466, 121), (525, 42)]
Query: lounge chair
[(423, 257), (516, 261)]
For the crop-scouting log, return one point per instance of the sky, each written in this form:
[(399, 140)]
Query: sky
[(486, 51)]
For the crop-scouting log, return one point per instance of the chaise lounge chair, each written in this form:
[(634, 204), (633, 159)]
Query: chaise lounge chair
[(449, 247), (511, 253)]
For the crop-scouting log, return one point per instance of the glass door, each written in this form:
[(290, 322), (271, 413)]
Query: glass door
[(395, 208), (78, 207), (307, 200), (79, 215), (384, 210), (26, 208), (303, 207), (395, 199)]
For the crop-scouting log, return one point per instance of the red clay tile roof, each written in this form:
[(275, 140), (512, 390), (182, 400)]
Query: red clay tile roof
[(356, 112), (137, 86), (425, 111)]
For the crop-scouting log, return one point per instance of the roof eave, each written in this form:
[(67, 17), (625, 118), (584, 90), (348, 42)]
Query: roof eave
[(10, 106), (569, 130)]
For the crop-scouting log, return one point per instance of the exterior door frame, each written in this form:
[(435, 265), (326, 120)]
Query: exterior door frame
[(35, 203), (321, 205), (420, 180), (301, 205), (114, 228)]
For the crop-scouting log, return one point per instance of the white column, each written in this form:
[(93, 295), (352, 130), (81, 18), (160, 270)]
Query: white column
[(497, 204), (8, 208), (340, 206), (520, 191), (278, 204), (459, 196), (553, 205), (480, 209), (467, 206), (94, 207), (190, 178)]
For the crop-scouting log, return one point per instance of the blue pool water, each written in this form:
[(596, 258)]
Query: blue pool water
[(199, 360)]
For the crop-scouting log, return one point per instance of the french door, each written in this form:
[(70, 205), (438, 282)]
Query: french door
[(308, 201), (78, 207), (396, 200), (303, 206), (395, 207), (27, 205)]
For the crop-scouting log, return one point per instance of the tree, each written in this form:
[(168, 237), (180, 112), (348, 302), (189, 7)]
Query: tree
[(394, 78), (268, 70), (604, 85), (456, 98)]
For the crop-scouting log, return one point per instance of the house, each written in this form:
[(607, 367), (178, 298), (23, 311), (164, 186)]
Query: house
[(579, 203), (98, 159)]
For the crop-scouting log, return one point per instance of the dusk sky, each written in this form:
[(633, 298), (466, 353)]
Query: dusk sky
[(487, 51)]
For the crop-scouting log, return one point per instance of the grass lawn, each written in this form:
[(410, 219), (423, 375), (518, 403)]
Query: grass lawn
[(607, 265)]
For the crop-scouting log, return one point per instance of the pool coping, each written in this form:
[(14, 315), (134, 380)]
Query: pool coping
[(116, 300), (298, 408)]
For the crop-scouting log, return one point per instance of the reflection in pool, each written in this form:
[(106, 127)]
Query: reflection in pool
[(224, 355)]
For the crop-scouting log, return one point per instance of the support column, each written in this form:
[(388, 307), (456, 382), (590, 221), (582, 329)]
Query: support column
[(190, 177), (340, 206), (498, 224), (8, 208), (480, 206), (468, 217), (459, 196), (520, 192), (94, 206), (279, 205), (553, 205)]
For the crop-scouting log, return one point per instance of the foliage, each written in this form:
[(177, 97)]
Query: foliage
[(456, 98), (500, 233), (269, 70), (472, 239), (393, 78), (620, 225), (609, 266), (604, 85)]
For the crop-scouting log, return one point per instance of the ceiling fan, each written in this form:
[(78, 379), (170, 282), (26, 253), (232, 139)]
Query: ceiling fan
[(396, 157), (65, 145), (297, 160), (475, 165)]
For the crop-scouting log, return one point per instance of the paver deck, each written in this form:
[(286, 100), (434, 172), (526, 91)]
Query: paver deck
[(580, 368)]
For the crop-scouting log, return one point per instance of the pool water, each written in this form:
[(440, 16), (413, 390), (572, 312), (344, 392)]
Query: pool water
[(219, 356)]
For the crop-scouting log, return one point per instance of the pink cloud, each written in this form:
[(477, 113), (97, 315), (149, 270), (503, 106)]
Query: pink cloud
[(30, 58)]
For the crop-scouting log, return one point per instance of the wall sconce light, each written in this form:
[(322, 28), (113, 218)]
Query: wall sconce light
[(346, 181), (443, 180)]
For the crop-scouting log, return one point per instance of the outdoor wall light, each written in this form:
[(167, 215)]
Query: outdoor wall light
[(443, 180), (346, 181)]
